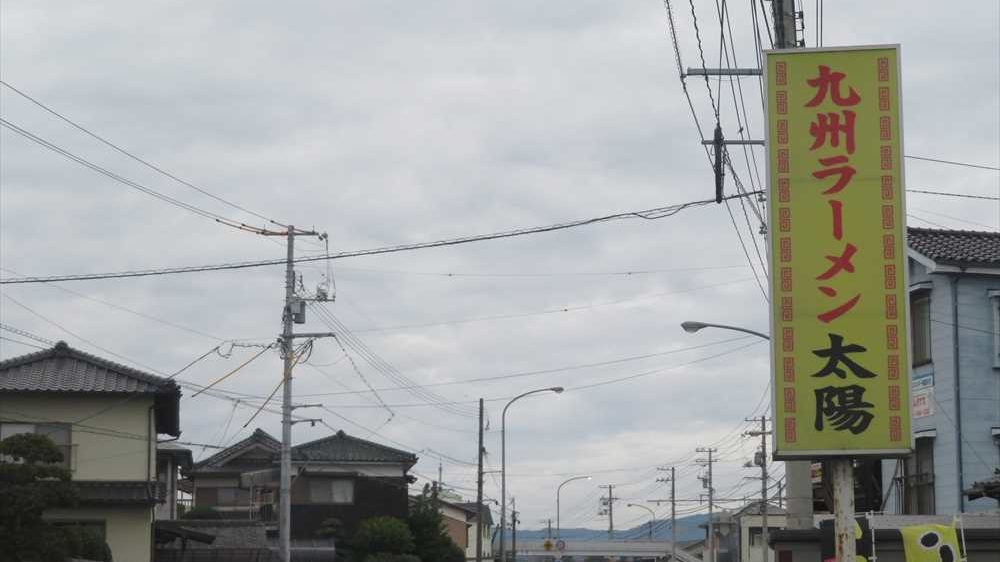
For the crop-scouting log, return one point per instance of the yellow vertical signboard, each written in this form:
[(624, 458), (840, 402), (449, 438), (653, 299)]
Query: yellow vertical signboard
[(840, 350)]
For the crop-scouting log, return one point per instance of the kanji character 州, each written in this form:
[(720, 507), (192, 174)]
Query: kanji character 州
[(837, 354), (840, 263), (844, 173), (844, 407), (828, 83), (828, 124)]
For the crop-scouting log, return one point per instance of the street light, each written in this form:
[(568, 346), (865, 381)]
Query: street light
[(503, 464), (558, 490), (691, 327), (652, 517)]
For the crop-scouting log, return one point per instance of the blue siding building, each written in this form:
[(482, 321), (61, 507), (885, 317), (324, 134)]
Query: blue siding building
[(955, 387)]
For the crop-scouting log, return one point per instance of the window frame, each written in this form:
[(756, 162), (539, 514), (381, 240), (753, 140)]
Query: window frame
[(921, 294), (329, 494), (919, 497), (67, 449), (994, 296)]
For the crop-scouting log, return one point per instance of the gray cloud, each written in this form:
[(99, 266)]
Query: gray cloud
[(386, 122)]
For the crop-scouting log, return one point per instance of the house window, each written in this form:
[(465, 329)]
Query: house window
[(232, 497), (59, 433), (335, 491), (919, 479), (995, 307), (920, 327)]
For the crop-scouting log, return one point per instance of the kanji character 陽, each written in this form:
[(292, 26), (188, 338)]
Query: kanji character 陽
[(828, 83), (836, 355), (844, 407), (829, 125), (844, 173)]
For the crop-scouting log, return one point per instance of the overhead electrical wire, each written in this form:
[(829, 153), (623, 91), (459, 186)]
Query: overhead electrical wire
[(647, 214), (523, 374), (952, 162), (133, 184), (142, 161)]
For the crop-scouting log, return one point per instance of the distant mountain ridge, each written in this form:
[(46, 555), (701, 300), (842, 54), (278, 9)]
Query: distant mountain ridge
[(687, 529)]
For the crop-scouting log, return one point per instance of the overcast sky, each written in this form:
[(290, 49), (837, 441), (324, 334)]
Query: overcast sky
[(391, 122)]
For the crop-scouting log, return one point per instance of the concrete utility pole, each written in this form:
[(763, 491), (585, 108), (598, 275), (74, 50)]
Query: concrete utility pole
[(479, 490), (610, 503), (292, 314), (783, 13), (707, 482), (762, 433), (284, 495), (673, 508)]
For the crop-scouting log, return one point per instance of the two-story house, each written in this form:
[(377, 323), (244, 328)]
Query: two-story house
[(955, 388), (337, 477), (105, 418)]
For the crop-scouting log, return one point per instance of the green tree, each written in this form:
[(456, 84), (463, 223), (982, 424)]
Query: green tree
[(380, 536), (30, 483), (429, 535)]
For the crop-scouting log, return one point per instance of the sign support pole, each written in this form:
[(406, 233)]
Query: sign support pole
[(842, 470)]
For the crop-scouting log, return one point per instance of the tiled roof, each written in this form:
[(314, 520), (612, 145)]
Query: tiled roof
[(258, 437), (338, 447), (956, 247), (65, 369), (341, 447)]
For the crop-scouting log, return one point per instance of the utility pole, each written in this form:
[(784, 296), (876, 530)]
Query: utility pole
[(798, 493), (479, 490), (609, 502), (707, 483), (673, 508), (762, 433), (550, 528), (292, 314), (513, 529)]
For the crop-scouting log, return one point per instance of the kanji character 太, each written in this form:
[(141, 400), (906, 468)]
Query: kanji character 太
[(840, 263), (843, 172), (844, 407), (837, 354), (828, 83), (828, 125)]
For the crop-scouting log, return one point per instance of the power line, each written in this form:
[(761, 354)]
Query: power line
[(951, 162), (5, 338), (947, 194), (137, 158), (559, 310), (531, 373), (132, 184), (647, 214)]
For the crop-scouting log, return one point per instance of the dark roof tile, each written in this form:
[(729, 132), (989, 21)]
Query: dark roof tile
[(65, 369), (956, 247)]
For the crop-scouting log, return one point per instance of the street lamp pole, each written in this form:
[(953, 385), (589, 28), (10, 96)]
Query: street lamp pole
[(692, 327), (797, 472), (652, 517), (503, 465), (558, 491)]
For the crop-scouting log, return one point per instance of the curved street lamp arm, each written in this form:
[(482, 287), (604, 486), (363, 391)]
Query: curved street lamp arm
[(691, 326)]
